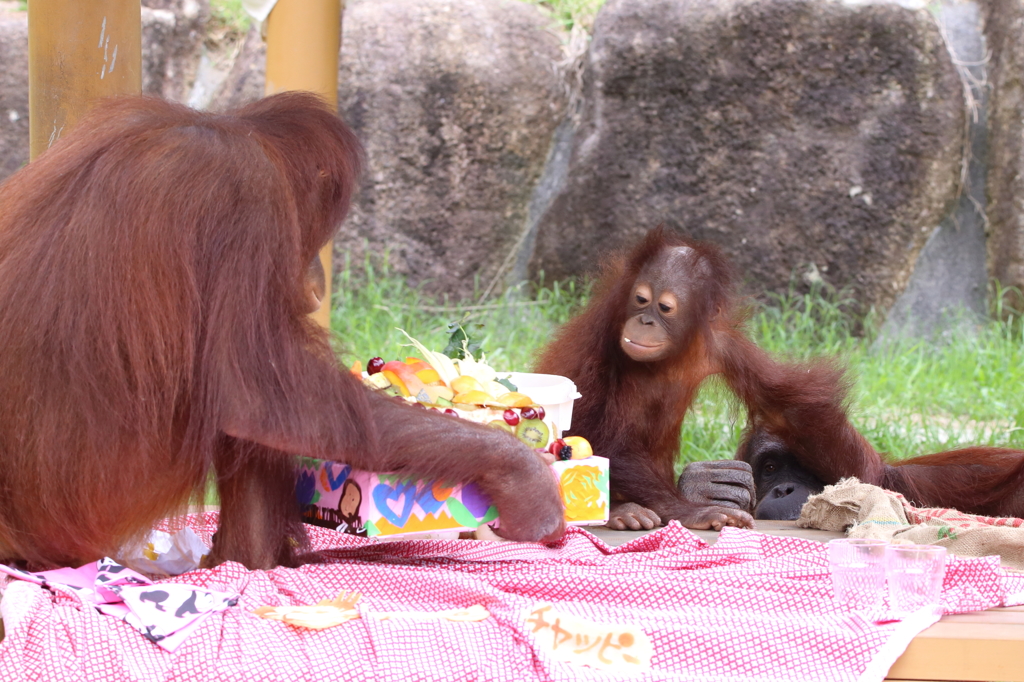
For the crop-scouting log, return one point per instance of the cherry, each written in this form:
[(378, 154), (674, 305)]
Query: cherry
[(529, 413), (374, 365), (450, 412), (540, 412), (510, 417)]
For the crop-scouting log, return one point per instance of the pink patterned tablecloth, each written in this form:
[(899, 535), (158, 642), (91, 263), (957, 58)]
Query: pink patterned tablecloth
[(751, 607)]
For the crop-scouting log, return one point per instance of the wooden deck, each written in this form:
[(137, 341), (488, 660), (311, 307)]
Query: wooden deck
[(984, 646)]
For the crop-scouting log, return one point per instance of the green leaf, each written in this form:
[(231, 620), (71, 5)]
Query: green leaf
[(460, 344), (508, 384)]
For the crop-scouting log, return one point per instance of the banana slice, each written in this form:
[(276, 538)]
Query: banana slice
[(326, 614), (318, 617)]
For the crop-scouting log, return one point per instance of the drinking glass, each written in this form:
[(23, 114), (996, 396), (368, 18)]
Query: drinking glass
[(857, 566), (915, 574)]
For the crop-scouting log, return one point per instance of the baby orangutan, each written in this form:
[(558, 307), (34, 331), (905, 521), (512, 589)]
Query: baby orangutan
[(650, 336)]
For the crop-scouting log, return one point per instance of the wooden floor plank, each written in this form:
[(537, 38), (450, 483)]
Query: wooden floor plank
[(992, 616), (958, 650)]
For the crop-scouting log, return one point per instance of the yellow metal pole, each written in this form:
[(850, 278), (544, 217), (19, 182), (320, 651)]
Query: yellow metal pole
[(303, 41), (79, 51)]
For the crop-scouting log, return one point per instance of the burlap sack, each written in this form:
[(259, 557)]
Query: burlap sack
[(867, 511), (851, 504)]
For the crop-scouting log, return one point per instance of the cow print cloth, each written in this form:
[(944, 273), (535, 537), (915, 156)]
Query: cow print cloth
[(751, 607)]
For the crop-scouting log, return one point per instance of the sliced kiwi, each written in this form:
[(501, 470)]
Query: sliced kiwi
[(393, 390), (533, 432), (500, 424), (443, 402)]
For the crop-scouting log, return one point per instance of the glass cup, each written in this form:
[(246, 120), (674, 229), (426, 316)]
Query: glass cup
[(857, 566), (915, 574)]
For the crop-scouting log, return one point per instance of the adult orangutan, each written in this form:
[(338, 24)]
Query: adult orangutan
[(157, 268), (799, 439), (788, 465)]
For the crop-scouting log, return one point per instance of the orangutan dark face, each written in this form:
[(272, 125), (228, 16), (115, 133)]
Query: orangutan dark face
[(781, 483)]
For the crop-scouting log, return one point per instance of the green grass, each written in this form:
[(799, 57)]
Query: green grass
[(907, 400), (570, 12), (230, 14), (370, 303)]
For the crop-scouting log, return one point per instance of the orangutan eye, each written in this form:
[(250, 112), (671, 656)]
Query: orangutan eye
[(769, 467), (667, 303), (641, 300)]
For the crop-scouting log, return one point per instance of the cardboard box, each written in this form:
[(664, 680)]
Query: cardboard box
[(334, 496)]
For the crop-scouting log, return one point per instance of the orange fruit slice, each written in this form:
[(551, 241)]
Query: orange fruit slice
[(514, 399)]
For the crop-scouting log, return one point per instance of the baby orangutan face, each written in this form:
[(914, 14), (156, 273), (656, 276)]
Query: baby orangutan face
[(658, 320)]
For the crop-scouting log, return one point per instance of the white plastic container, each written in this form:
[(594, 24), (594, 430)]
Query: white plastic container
[(554, 393)]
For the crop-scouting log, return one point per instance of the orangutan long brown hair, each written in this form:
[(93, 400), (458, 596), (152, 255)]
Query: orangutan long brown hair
[(153, 316)]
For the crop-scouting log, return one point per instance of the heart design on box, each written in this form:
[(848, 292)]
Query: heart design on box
[(427, 500), (402, 495)]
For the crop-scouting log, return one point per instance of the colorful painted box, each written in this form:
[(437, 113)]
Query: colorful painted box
[(364, 503), (584, 487)]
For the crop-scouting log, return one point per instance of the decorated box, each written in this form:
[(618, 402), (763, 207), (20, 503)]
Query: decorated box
[(535, 408), (584, 487), (369, 504)]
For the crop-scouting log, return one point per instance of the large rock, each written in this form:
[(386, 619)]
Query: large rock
[(456, 102), (1005, 32), (946, 294), (13, 91), (173, 32), (246, 76), (792, 133)]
